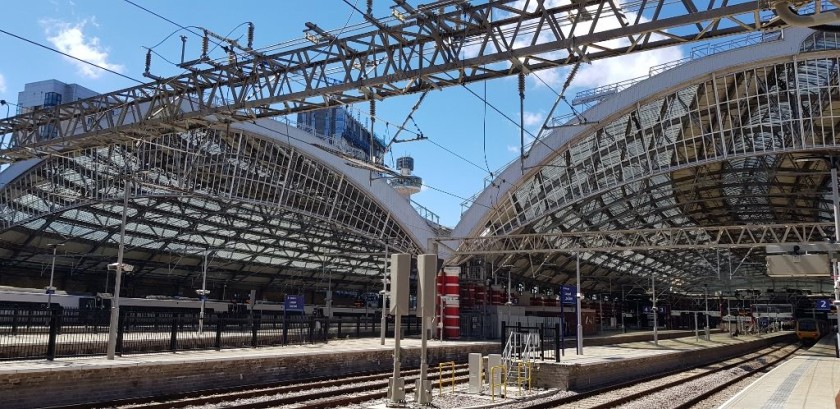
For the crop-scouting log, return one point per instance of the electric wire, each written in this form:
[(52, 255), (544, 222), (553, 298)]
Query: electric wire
[(353, 6), (216, 43), (169, 36), (346, 24), (484, 131), (165, 19), (69, 56), (456, 155), (288, 136)]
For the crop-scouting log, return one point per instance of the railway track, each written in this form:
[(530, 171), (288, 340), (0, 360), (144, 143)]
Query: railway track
[(675, 390), (318, 393)]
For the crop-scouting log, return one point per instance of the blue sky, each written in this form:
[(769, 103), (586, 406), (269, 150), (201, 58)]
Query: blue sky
[(113, 33)]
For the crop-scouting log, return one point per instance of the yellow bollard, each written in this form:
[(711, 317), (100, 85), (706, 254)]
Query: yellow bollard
[(519, 380), (493, 381), (441, 365)]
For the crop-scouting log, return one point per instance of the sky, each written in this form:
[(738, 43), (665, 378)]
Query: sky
[(115, 34)]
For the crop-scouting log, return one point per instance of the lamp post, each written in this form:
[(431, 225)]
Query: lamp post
[(203, 293), (623, 327), (509, 302), (706, 298), (328, 299), (578, 297), (51, 289), (385, 297), (655, 311), (118, 267)]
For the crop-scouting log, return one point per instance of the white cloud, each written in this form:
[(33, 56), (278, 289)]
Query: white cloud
[(604, 71), (2, 83), (534, 118), (513, 149), (71, 40), (616, 69), (554, 77)]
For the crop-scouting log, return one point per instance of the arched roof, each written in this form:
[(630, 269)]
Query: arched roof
[(278, 209), (714, 142)]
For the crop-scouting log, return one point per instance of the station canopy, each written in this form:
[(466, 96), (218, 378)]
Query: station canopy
[(683, 178), (270, 208)]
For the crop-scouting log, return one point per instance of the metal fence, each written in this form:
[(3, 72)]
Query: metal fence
[(477, 325), (551, 338), (31, 332)]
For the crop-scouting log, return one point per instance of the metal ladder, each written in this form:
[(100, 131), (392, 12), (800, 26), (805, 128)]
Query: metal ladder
[(518, 358)]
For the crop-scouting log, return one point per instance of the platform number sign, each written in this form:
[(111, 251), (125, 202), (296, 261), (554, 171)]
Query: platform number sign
[(823, 305)]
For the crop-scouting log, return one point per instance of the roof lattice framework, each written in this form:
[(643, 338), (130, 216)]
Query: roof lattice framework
[(712, 143), (272, 212)]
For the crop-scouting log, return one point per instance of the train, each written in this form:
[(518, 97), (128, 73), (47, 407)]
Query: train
[(810, 330), (15, 296)]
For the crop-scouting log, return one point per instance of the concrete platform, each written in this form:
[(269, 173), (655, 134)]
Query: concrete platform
[(608, 365), (66, 381), (811, 380)]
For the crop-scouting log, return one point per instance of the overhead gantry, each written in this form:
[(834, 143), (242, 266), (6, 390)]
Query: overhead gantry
[(434, 46), (442, 44)]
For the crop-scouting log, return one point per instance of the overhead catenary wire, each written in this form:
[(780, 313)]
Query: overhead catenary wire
[(163, 18), (88, 62), (290, 137), (483, 99), (484, 131), (70, 56), (455, 154), (407, 118)]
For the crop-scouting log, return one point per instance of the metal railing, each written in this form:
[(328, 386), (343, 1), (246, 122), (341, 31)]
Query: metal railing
[(593, 95), (33, 332), (596, 94), (426, 213), (549, 345)]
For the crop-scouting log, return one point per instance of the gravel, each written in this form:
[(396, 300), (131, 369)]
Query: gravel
[(462, 400)]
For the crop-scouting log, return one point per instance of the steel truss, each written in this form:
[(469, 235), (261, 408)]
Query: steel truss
[(682, 238), (274, 212), (445, 44), (721, 152), (711, 124)]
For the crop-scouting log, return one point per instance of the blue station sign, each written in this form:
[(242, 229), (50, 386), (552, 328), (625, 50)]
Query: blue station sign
[(293, 303), (823, 305), (567, 294)]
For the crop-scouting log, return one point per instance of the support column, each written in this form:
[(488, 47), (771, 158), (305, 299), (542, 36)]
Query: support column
[(578, 297)]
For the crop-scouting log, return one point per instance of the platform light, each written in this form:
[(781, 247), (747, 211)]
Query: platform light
[(51, 289), (125, 267)]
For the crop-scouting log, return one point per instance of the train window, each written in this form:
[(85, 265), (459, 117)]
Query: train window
[(807, 325)]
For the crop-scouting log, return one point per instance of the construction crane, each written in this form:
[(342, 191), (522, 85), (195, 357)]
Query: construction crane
[(445, 43)]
